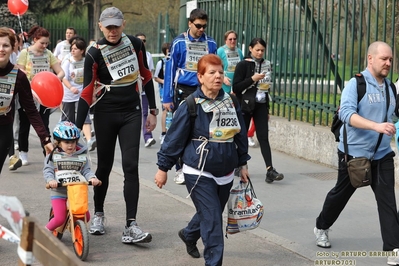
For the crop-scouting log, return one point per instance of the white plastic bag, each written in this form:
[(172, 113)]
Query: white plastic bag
[(245, 211)]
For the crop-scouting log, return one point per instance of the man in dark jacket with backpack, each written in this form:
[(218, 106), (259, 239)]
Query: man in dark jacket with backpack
[(365, 121)]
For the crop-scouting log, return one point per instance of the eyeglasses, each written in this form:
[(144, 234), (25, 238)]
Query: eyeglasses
[(144, 40), (232, 39), (199, 26)]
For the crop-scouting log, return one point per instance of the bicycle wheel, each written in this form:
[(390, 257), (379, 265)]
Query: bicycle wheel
[(55, 232), (81, 245)]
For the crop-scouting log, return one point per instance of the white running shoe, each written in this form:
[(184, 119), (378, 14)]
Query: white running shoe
[(97, 224), (179, 177), (24, 157), (394, 259), (322, 238), (149, 142), (251, 142), (134, 234)]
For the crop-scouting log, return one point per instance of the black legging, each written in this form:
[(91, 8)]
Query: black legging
[(24, 128), (260, 116), (126, 127), (6, 140)]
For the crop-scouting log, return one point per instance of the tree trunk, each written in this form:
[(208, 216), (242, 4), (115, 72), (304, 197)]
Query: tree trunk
[(96, 17)]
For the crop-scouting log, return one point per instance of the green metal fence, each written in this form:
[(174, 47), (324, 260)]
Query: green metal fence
[(315, 45)]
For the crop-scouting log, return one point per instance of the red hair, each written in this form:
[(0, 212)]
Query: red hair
[(36, 32), (209, 59)]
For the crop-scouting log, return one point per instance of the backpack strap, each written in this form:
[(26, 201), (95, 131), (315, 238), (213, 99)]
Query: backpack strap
[(361, 86), (192, 109)]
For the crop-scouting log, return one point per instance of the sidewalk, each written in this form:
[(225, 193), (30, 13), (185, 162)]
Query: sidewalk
[(285, 236)]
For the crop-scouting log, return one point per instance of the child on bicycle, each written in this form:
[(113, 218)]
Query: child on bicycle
[(68, 163)]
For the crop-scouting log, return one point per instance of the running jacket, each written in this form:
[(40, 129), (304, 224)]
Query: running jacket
[(177, 60), (118, 99), (222, 157), (242, 80), (361, 142)]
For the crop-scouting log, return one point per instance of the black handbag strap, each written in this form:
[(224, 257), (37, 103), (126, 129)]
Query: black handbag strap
[(250, 187), (381, 134)]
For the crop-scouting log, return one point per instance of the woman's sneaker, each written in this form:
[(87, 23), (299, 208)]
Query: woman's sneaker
[(134, 234), (97, 224), (273, 175), (24, 157), (251, 142), (179, 177), (15, 163)]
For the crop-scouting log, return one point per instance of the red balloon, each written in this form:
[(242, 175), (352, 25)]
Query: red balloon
[(18, 6), (47, 89)]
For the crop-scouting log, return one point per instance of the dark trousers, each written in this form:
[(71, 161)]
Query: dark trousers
[(6, 141), (126, 127), (260, 116), (24, 128), (383, 186), (209, 199), (69, 111)]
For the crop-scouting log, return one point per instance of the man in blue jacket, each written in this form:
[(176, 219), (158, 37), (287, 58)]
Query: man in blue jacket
[(180, 79), (365, 120)]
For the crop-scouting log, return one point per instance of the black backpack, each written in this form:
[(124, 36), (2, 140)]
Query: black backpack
[(361, 91)]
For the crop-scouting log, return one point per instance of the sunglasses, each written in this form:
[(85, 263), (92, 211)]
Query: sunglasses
[(144, 40), (199, 26), (232, 39)]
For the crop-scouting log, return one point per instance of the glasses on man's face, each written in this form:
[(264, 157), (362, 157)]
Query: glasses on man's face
[(232, 39), (144, 40), (199, 26)]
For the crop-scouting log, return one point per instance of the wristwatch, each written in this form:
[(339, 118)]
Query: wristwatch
[(154, 111)]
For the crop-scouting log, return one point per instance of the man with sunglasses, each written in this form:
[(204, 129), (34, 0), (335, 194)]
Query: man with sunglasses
[(180, 78), (230, 55)]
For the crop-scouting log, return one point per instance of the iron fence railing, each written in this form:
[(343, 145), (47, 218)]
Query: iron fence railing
[(315, 45)]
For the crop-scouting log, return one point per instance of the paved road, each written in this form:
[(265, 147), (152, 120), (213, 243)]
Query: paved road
[(285, 236)]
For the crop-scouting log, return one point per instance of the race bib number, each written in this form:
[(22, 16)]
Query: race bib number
[(69, 177), (68, 168), (233, 59), (194, 52), (121, 60), (7, 85)]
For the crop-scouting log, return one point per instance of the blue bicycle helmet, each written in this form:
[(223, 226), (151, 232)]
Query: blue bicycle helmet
[(66, 130)]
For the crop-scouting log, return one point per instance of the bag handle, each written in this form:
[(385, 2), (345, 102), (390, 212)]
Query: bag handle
[(251, 191), (381, 134)]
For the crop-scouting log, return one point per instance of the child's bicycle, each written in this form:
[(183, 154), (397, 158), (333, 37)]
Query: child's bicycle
[(75, 221)]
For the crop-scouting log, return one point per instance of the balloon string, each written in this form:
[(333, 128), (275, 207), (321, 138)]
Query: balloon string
[(20, 25)]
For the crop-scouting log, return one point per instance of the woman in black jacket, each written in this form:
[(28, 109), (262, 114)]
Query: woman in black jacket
[(251, 83)]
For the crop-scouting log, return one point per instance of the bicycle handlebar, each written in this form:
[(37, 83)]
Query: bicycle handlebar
[(73, 183)]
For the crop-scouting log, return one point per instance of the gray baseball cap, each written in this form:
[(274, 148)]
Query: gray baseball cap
[(111, 16)]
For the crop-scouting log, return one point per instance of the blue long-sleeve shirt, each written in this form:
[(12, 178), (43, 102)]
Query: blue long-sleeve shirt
[(362, 142), (177, 60)]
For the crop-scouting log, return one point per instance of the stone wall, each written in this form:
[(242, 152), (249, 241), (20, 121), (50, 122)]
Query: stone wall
[(313, 143)]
